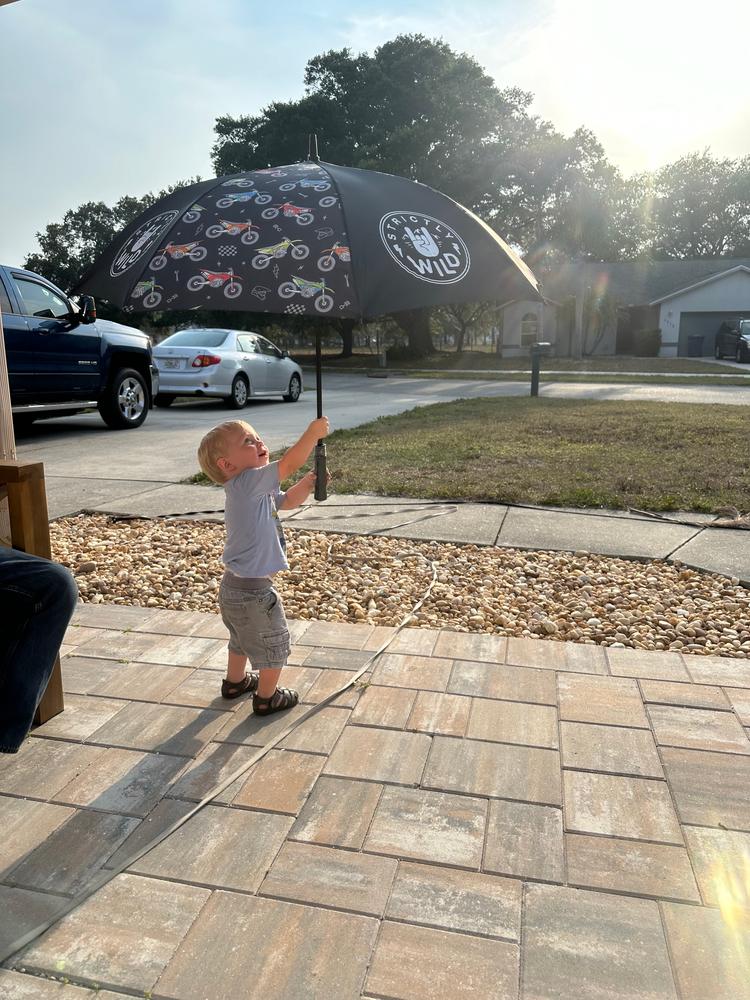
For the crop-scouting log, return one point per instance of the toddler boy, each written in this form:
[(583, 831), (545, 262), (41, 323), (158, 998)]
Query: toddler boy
[(234, 456)]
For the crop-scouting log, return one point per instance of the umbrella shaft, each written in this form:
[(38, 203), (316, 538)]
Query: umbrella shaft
[(318, 376), (320, 472)]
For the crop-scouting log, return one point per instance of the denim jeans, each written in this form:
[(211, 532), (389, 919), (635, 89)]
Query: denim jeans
[(37, 600)]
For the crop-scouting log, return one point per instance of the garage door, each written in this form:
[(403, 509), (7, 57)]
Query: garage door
[(704, 325)]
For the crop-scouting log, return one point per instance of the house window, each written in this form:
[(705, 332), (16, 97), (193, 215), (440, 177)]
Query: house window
[(529, 329)]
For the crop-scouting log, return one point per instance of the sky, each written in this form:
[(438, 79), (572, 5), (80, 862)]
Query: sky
[(100, 98)]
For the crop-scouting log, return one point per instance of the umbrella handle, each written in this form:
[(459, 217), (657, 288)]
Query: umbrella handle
[(320, 472)]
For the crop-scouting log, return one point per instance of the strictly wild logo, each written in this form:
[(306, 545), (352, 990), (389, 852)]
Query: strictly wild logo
[(425, 247), (140, 242)]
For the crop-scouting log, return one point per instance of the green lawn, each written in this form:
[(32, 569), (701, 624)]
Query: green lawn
[(653, 456)]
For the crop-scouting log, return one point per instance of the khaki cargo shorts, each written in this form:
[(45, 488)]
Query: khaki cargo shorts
[(257, 624)]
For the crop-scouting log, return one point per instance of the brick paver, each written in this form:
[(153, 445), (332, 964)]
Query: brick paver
[(456, 900), (485, 817), (593, 945), (411, 963)]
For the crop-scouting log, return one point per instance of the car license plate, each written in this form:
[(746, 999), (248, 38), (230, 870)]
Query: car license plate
[(170, 363)]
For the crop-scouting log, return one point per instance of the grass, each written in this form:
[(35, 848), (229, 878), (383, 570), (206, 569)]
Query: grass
[(566, 453), (577, 453), (485, 361)]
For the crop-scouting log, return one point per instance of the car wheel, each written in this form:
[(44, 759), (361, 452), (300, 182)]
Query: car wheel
[(295, 389), (164, 399), (240, 392), (124, 403), (739, 354)]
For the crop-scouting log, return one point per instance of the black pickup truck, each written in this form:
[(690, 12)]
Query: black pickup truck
[(62, 359)]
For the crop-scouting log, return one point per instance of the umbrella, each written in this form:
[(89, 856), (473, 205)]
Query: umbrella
[(307, 239)]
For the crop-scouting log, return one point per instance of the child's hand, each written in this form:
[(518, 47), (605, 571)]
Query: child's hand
[(320, 428), (310, 477)]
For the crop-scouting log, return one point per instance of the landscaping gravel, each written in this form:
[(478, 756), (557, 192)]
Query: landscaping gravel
[(175, 564)]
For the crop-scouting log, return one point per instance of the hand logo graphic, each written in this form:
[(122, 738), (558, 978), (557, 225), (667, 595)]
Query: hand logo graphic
[(422, 242)]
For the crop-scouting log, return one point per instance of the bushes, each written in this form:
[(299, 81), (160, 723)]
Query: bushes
[(646, 343)]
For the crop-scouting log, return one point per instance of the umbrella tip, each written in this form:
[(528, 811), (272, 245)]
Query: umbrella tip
[(312, 147)]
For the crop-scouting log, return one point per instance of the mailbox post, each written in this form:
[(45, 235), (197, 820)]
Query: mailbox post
[(537, 350)]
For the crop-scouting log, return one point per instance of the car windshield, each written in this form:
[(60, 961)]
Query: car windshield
[(196, 338)]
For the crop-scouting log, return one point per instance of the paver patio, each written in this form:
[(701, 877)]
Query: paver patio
[(515, 820)]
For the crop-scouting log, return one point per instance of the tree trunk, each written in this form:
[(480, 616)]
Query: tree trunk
[(416, 325), (347, 336)]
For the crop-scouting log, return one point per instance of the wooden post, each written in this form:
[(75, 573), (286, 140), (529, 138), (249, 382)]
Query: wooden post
[(29, 532)]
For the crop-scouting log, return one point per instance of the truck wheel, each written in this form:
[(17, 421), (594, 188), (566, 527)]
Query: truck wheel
[(163, 399), (240, 391), (124, 402)]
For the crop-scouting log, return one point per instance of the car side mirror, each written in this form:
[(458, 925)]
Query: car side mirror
[(285, 354), (87, 305)]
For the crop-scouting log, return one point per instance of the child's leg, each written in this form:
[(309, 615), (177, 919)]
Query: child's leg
[(269, 678), (236, 663), (270, 698), (238, 682)]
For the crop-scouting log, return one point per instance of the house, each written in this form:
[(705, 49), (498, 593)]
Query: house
[(687, 300)]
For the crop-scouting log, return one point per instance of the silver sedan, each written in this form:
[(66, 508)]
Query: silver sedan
[(233, 364)]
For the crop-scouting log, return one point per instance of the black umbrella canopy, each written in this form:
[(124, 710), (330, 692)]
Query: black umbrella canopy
[(310, 239)]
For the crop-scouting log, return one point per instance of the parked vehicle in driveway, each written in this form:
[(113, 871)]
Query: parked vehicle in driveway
[(233, 364), (733, 341), (62, 359)]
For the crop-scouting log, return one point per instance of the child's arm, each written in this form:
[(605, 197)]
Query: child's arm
[(299, 453), (296, 495)]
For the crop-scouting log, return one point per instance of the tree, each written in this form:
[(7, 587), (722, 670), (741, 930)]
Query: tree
[(414, 108), (701, 207), (459, 319)]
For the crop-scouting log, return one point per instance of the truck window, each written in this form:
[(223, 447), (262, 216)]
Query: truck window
[(39, 300), (4, 300)]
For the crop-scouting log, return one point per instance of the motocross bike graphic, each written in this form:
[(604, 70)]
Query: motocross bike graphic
[(193, 213), (272, 172), (265, 255), (328, 260), (177, 251), (308, 289), (306, 182), (249, 232), (302, 216), (215, 279), (149, 291), (239, 182), (233, 199)]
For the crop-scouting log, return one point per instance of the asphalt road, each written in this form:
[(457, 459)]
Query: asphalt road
[(81, 456)]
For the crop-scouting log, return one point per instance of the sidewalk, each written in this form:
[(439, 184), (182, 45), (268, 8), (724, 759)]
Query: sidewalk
[(613, 533), (488, 818)]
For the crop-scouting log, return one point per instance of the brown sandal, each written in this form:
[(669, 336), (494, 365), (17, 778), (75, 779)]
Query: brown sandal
[(281, 699), (233, 689)]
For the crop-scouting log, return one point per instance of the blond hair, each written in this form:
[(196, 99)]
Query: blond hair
[(211, 448)]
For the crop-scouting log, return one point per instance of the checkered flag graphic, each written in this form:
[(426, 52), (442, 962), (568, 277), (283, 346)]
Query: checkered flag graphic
[(295, 309), (227, 250)]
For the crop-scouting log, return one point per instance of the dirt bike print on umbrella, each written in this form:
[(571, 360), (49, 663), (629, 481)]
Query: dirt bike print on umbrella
[(329, 241)]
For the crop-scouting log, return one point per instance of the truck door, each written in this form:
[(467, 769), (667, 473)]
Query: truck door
[(66, 357), (18, 347)]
